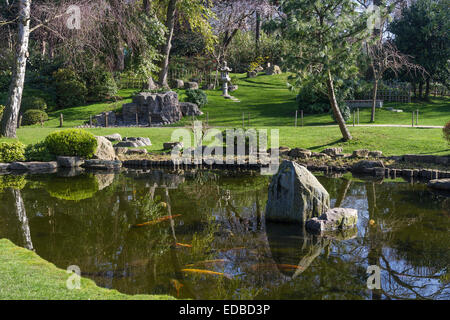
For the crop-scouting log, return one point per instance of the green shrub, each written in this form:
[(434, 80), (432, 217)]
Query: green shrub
[(70, 90), (345, 111), (2, 108), (11, 151), (31, 117), (38, 152), (32, 103), (446, 131), (12, 181), (74, 188), (100, 85), (71, 142), (197, 96)]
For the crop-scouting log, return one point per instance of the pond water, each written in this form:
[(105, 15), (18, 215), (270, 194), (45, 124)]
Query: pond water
[(216, 243)]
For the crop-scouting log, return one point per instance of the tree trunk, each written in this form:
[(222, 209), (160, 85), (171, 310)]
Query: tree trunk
[(23, 220), (170, 24), (427, 89), (258, 32), (11, 113), (337, 112), (374, 102), (420, 89)]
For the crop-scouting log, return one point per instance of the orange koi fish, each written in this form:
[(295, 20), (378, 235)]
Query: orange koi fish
[(209, 272), (183, 245), (177, 285), (153, 222)]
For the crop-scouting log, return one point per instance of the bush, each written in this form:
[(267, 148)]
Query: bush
[(197, 96), (32, 103), (12, 181), (100, 85), (70, 90), (11, 151), (38, 152), (446, 131), (31, 117), (71, 142), (73, 189)]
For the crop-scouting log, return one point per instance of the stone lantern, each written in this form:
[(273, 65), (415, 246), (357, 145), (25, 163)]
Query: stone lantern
[(225, 77)]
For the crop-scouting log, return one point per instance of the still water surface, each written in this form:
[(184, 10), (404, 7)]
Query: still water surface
[(218, 233)]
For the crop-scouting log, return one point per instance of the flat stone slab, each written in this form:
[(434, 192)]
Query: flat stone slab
[(332, 220), (114, 137), (440, 184), (4, 166), (136, 151), (34, 166), (102, 164)]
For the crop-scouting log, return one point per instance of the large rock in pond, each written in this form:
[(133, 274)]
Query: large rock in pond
[(105, 150), (332, 220), (190, 109), (440, 184), (69, 162), (295, 195)]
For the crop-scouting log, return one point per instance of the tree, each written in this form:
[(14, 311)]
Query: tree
[(422, 32), (385, 56), (329, 34), (11, 113), (197, 14)]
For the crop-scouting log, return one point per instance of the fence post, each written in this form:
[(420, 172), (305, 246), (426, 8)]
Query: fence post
[(417, 118), (61, 120), (296, 118), (137, 120), (149, 120), (354, 117), (106, 120), (358, 116), (19, 123), (90, 121)]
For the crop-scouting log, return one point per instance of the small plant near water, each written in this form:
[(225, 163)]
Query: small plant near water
[(11, 151), (72, 142), (38, 152)]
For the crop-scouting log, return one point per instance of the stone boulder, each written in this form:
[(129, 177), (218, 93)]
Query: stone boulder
[(440, 184), (300, 153), (114, 137), (179, 84), (375, 154), (332, 220), (136, 151), (105, 149), (273, 69), (361, 153), (233, 87), (366, 166), (190, 109), (131, 142), (208, 86), (282, 151), (333, 152), (295, 195), (191, 85), (160, 108), (252, 74), (171, 145), (120, 150), (69, 162), (100, 119)]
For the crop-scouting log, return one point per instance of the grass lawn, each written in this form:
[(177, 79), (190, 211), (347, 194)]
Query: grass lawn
[(271, 105), (26, 276)]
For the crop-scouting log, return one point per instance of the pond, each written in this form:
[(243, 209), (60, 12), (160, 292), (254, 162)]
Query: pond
[(202, 235)]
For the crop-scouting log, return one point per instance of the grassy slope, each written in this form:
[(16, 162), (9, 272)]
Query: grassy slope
[(26, 276), (272, 105)]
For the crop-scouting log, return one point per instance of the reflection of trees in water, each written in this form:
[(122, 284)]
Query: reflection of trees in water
[(222, 218)]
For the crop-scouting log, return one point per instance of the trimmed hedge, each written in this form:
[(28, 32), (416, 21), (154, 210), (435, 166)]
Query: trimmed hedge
[(38, 152), (12, 151), (32, 116), (32, 103), (72, 142), (197, 96)]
